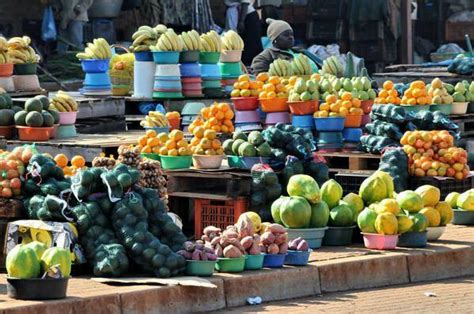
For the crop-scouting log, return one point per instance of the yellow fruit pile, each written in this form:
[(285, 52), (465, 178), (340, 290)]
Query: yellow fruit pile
[(388, 95), (205, 142), (416, 94), (342, 107), (273, 87), (217, 117), (151, 143), (244, 87), (174, 144)]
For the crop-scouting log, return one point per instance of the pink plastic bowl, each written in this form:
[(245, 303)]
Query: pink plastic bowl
[(380, 241), (247, 116), (67, 118), (278, 117)]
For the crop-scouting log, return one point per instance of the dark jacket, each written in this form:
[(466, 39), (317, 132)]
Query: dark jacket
[(262, 61)]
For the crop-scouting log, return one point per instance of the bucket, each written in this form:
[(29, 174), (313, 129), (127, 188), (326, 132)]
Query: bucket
[(313, 236), (189, 56), (66, 131), (143, 81), (176, 162), (97, 79), (254, 262), (413, 239), (165, 57), (229, 56), (297, 258), (26, 82), (338, 236), (366, 105), (230, 265), (380, 241), (274, 260), (277, 117), (231, 69), (200, 268), (190, 70)]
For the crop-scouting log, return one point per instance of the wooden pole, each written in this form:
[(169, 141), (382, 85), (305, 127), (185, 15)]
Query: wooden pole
[(407, 33)]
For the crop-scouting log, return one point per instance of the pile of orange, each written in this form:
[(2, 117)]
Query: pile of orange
[(205, 142), (432, 153), (245, 87), (217, 117), (151, 143), (77, 162), (334, 107), (388, 95), (273, 87), (174, 144), (416, 94)]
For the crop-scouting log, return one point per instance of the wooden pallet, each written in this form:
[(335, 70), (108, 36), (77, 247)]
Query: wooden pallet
[(101, 125), (351, 161), (465, 123)]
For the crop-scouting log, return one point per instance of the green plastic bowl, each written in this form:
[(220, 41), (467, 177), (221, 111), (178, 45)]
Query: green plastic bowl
[(66, 131), (200, 268), (230, 69), (313, 236), (338, 236), (151, 156), (176, 162), (230, 265), (254, 262), (209, 57), (167, 95), (445, 108), (25, 69), (415, 108), (463, 217)]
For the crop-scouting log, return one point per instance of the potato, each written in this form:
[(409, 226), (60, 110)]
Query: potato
[(218, 251), (283, 248), (277, 228), (224, 241), (256, 238), (188, 246), (211, 231), (281, 238), (273, 249), (254, 249), (236, 243), (268, 238), (208, 250), (196, 256), (211, 257), (215, 241), (244, 226), (199, 247), (293, 244), (205, 238), (263, 248), (247, 242), (203, 255), (185, 254), (231, 234), (232, 252), (302, 246)]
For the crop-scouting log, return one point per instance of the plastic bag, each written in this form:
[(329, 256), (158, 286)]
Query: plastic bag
[(48, 26)]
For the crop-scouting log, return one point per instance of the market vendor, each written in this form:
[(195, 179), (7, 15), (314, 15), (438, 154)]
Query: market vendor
[(281, 36)]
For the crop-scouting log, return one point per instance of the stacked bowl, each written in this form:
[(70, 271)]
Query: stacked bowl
[(247, 117), (167, 81), (191, 79), (97, 80), (302, 113), (6, 79), (230, 68), (211, 80), (330, 133)]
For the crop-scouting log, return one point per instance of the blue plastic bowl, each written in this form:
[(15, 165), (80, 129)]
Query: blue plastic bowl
[(168, 85), (330, 138), (329, 124), (297, 258), (145, 56), (274, 260), (413, 239), (352, 134), (159, 130), (95, 65), (97, 79), (166, 57), (210, 70), (305, 121), (190, 70)]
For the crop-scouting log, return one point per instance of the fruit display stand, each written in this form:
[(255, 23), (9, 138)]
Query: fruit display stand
[(353, 160)]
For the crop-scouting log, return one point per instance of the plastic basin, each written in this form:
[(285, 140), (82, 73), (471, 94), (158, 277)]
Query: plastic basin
[(190, 70), (209, 57), (297, 258), (329, 124), (330, 138), (172, 86), (27, 68), (274, 260), (26, 133), (176, 162), (6, 69), (143, 56), (247, 127), (245, 162), (167, 70), (37, 288), (207, 162), (159, 130), (277, 117), (304, 121), (415, 108), (189, 56), (365, 119), (274, 105), (230, 69), (245, 103), (353, 121), (303, 107), (210, 70), (231, 56), (247, 116), (254, 262), (413, 239), (66, 131), (7, 131), (459, 108), (166, 57), (230, 265), (352, 134), (314, 236), (463, 217), (338, 236), (192, 109), (434, 233), (151, 156), (95, 65), (167, 95), (444, 108), (366, 105), (174, 123), (211, 83), (200, 268), (380, 241), (67, 118)]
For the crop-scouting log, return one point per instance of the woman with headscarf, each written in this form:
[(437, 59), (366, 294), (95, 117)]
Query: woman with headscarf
[(281, 36)]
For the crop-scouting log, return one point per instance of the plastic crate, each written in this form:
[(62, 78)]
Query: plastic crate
[(446, 186), (367, 31), (329, 9), (326, 29), (351, 182), (217, 213)]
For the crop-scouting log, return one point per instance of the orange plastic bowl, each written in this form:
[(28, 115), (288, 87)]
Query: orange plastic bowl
[(26, 133), (303, 107), (353, 121), (274, 105), (174, 123), (245, 103), (6, 69), (7, 131)]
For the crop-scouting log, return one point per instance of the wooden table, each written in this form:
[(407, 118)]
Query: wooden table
[(406, 73)]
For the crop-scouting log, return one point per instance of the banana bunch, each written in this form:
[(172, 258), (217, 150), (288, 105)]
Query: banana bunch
[(301, 66), (20, 51), (4, 51), (232, 41), (63, 102), (211, 42), (143, 38), (332, 66), (280, 67), (168, 41), (191, 40), (99, 49), (154, 119)]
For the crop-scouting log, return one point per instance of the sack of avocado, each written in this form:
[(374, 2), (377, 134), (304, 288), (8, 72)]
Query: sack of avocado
[(318, 170), (292, 141), (293, 166), (265, 186), (395, 163), (390, 113), (386, 129), (375, 144)]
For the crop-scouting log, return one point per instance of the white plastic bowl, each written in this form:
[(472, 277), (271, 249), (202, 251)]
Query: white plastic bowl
[(459, 108), (207, 162), (434, 233), (231, 56), (168, 70)]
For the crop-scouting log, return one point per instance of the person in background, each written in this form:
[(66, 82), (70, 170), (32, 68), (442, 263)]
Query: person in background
[(269, 9), (242, 17), (73, 16), (281, 36)]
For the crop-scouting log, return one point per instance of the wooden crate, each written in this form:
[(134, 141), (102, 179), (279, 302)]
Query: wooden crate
[(351, 161), (456, 31)]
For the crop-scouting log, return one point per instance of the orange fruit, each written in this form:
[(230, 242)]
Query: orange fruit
[(347, 104), (182, 151), (210, 134), (281, 88), (156, 150), (262, 77), (229, 115), (214, 109), (150, 133), (163, 137), (78, 161), (356, 103), (216, 128), (244, 78), (269, 88), (205, 143), (253, 85), (228, 123), (393, 93), (213, 121), (182, 143), (331, 99), (198, 131), (195, 141), (176, 135), (164, 151), (142, 140), (244, 85), (220, 115), (260, 85), (170, 144), (223, 107), (262, 95), (236, 85), (61, 160), (206, 112), (224, 129), (271, 95), (346, 96), (387, 85), (383, 93), (210, 152), (173, 152), (418, 84), (412, 101), (146, 149), (275, 80), (216, 144), (152, 142)]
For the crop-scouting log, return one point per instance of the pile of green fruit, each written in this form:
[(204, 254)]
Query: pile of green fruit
[(253, 145), (360, 87), (304, 90), (7, 110), (37, 113), (462, 91)]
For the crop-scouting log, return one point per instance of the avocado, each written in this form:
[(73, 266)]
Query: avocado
[(227, 146), (255, 138), (6, 117), (48, 119), (235, 146), (239, 135), (55, 115), (44, 101), (247, 150)]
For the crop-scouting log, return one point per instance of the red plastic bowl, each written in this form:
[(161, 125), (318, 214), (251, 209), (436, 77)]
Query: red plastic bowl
[(26, 133), (245, 103), (303, 107), (6, 69)]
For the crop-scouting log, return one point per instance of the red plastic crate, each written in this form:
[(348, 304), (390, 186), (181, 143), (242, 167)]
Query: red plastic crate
[(217, 213)]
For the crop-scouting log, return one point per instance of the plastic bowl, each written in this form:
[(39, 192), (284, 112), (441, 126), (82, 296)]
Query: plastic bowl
[(248, 127), (95, 65), (210, 70), (330, 138), (209, 57), (189, 57), (230, 265), (200, 268), (352, 134), (463, 217), (329, 124), (254, 262), (303, 107), (190, 70), (459, 107), (297, 258), (159, 130), (231, 56), (314, 236), (7, 83), (166, 57), (26, 82), (338, 236), (245, 162), (379, 241), (191, 80), (366, 105), (97, 79), (353, 121), (444, 108), (413, 239), (232, 69), (67, 118), (6, 69), (207, 162), (26, 133), (247, 116), (37, 288), (415, 108), (211, 84), (365, 119), (176, 162), (28, 68), (167, 70), (434, 233), (192, 109), (245, 103), (143, 56), (304, 121), (167, 95), (278, 117), (151, 156), (7, 131), (274, 105), (66, 131), (52, 134), (172, 86), (274, 260)]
